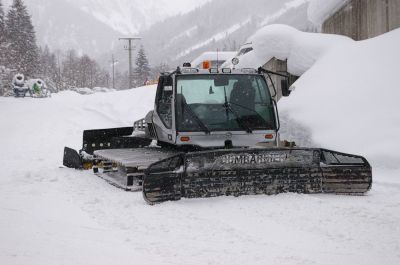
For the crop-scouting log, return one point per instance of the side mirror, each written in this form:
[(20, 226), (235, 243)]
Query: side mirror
[(168, 81), (285, 88)]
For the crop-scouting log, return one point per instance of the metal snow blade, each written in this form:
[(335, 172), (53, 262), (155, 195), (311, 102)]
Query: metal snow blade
[(71, 158), (102, 139), (256, 171)]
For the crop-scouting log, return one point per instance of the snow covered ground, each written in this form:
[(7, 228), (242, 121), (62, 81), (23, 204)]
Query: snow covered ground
[(54, 215)]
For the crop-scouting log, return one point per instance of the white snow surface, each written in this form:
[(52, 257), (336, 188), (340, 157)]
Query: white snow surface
[(350, 99), (53, 215), (87, 90), (301, 49)]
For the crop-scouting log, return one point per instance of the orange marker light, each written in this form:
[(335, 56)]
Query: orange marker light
[(269, 136), (206, 64), (185, 139)]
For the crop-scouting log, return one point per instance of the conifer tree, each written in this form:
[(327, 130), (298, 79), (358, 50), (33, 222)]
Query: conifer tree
[(48, 67), (23, 53), (2, 32), (2, 36), (142, 70), (4, 72)]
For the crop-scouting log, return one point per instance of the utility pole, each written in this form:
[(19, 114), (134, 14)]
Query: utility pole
[(130, 48), (113, 61)]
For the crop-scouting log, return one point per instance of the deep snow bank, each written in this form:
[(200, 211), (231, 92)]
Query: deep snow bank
[(283, 42), (350, 99), (33, 128)]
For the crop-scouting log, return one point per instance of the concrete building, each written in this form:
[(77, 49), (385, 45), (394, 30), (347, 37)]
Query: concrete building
[(278, 66), (364, 19), (357, 19)]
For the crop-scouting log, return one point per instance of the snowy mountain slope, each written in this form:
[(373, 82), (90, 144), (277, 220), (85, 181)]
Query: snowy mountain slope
[(215, 38), (131, 16), (94, 26), (172, 31), (220, 24), (63, 26), (319, 10), (287, 7)]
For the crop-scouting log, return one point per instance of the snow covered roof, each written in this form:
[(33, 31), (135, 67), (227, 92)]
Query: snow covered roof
[(213, 56), (301, 49)]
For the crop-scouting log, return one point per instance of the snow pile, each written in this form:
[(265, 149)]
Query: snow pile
[(319, 10), (347, 95), (60, 120), (350, 99), (283, 42), (88, 91)]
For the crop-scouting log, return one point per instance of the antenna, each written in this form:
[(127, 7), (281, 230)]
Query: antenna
[(217, 58)]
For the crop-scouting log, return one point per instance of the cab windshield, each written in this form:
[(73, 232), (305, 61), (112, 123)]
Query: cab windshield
[(223, 102)]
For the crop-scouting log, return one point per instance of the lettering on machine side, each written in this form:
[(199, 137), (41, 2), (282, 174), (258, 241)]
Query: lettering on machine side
[(253, 158)]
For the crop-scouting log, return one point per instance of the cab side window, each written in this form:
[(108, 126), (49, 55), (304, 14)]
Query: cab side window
[(164, 100)]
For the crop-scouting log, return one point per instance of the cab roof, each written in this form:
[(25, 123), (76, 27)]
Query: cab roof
[(191, 71)]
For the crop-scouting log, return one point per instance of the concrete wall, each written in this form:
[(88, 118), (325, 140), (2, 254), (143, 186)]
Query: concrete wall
[(363, 19), (358, 19), (280, 67)]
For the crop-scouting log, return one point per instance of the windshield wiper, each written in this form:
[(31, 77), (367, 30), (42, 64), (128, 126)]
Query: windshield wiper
[(246, 108), (227, 107), (194, 116)]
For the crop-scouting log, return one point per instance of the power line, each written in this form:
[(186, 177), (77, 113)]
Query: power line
[(113, 61), (130, 48)]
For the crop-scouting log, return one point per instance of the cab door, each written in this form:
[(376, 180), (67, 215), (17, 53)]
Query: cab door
[(164, 110)]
